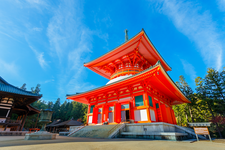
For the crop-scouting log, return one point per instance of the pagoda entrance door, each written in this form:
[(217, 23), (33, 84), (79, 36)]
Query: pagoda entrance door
[(99, 118), (111, 114), (99, 115), (125, 112), (125, 115)]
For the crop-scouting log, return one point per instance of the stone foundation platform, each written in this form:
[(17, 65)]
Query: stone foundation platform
[(157, 131), (40, 135)]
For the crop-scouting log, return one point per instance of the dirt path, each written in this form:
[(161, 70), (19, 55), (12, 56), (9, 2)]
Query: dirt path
[(62, 143)]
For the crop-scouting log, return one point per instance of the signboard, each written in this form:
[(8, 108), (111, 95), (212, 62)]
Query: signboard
[(201, 130)]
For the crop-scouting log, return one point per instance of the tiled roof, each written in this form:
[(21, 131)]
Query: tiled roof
[(69, 123), (6, 87)]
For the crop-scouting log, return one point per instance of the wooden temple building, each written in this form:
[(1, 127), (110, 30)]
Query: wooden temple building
[(14, 100), (62, 126), (139, 90)]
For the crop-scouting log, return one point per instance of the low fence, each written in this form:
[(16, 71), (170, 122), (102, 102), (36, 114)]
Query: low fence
[(13, 133)]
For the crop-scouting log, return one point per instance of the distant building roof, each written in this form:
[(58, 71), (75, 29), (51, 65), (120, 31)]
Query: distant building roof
[(69, 123), (54, 123), (8, 88)]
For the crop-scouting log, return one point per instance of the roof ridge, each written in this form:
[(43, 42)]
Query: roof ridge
[(7, 84), (115, 47), (1, 79)]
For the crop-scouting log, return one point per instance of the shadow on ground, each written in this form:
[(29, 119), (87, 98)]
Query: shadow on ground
[(59, 139)]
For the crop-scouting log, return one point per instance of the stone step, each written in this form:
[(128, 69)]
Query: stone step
[(174, 136), (154, 133), (98, 131)]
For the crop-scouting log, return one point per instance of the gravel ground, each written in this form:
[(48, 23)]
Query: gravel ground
[(61, 143)]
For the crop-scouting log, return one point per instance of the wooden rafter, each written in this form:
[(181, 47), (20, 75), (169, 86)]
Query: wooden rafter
[(129, 59), (114, 65), (106, 66)]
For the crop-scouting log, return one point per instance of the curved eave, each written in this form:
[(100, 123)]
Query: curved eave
[(8, 88), (119, 50), (160, 81), (33, 110)]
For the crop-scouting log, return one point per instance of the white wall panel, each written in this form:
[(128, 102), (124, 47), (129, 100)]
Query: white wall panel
[(152, 113), (90, 119), (140, 115), (144, 115), (137, 115)]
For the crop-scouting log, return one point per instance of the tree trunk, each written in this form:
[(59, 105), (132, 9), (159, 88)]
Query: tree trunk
[(186, 116), (36, 121), (217, 127), (192, 119)]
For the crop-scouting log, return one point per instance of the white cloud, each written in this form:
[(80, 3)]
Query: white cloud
[(37, 29), (47, 81), (221, 5), (71, 44), (198, 26), (38, 4), (36, 1), (8, 68), (10, 36), (189, 69), (40, 57)]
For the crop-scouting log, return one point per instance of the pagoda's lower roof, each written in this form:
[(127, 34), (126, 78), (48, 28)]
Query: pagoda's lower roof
[(155, 76)]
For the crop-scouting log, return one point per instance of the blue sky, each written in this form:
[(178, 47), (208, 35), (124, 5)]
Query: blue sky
[(47, 42)]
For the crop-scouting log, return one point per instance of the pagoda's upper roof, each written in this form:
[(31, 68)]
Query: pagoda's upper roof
[(8, 88), (139, 42), (157, 77)]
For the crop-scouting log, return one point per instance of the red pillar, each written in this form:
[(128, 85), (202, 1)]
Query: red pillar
[(131, 106), (106, 112), (169, 115), (118, 113), (173, 116), (95, 115), (154, 106), (163, 108), (160, 110), (88, 111)]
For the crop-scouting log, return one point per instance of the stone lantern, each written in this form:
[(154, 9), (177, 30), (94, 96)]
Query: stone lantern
[(45, 118)]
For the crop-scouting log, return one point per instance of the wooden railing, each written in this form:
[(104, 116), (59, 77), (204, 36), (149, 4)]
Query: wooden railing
[(77, 129), (8, 121), (115, 130)]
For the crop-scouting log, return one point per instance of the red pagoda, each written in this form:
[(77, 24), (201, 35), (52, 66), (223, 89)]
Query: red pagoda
[(139, 90)]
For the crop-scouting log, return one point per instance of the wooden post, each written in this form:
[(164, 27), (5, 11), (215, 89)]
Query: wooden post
[(23, 121), (36, 122), (6, 127)]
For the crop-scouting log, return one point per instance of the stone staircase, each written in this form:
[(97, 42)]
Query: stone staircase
[(74, 131), (116, 131), (158, 131), (97, 131)]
